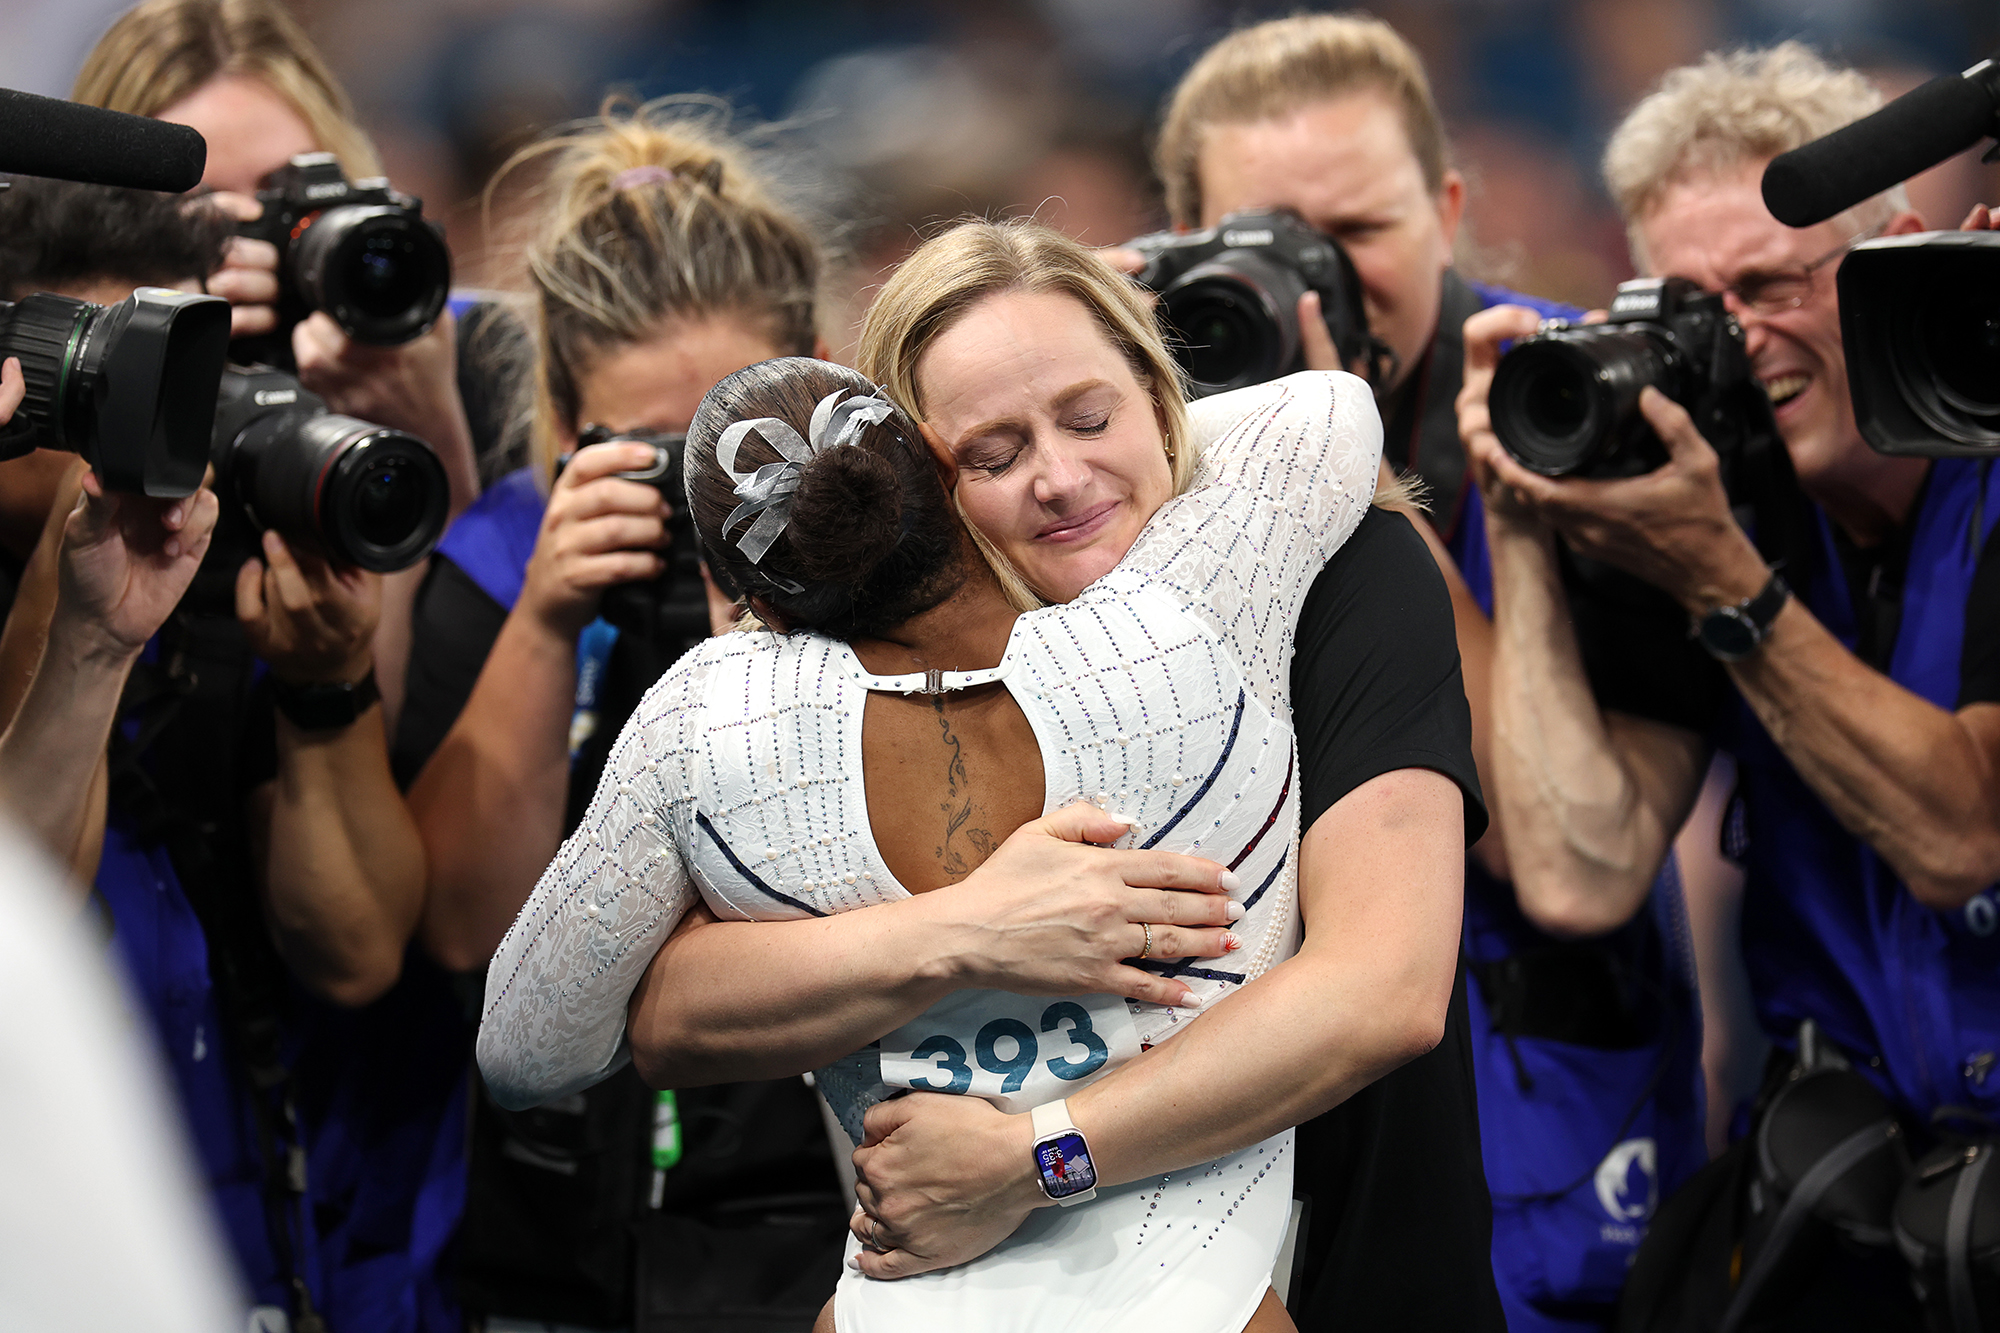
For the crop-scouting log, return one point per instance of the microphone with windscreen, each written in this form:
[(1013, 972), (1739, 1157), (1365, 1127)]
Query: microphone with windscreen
[(1914, 133), (46, 136)]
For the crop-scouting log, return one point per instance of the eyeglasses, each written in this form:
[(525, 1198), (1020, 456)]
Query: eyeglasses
[(1775, 293)]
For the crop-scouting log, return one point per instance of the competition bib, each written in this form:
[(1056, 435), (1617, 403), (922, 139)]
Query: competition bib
[(1017, 1051)]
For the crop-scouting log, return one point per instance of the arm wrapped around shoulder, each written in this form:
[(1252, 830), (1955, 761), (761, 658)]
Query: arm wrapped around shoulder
[(558, 986)]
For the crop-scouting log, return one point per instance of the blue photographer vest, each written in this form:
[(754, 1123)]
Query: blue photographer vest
[(1580, 1143), (1829, 932), (380, 1101)]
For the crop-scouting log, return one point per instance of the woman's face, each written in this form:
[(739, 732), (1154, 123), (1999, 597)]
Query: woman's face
[(1057, 448), (251, 131), (656, 385)]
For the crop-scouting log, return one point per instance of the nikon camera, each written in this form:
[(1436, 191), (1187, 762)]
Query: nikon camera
[(1566, 401), (358, 494), (358, 250), (669, 610), (1230, 298)]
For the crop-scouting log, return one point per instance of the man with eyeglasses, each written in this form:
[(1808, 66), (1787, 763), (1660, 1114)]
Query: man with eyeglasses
[(1857, 687)]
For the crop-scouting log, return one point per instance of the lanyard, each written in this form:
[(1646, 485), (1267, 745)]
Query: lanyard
[(593, 657)]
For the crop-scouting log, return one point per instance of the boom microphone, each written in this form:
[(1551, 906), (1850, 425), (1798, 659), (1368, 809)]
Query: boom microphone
[(46, 136), (1915, 132)]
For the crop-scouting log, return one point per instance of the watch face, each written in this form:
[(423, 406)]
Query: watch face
[(1728, 634), (1065, 1165)]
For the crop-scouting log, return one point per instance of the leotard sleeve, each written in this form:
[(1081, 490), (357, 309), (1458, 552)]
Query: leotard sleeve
[(556, 990), (1287, 471)]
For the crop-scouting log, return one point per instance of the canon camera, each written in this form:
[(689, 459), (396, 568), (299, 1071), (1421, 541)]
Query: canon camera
[(130, 387), (671, 607), (355, 493), (1230, 298), (358, 250), (1566, 401)]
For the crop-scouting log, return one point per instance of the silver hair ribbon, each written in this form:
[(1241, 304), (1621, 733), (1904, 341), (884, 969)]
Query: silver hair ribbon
[(767, 492)]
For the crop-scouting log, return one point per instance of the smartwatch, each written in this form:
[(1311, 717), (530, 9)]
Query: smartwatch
[(1732, 633), (325, 707), (1062, 1157)]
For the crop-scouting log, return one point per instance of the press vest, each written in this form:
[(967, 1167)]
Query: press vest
[(1828, 930)]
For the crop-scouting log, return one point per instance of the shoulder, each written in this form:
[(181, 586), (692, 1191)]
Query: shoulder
[(1310, 395), (1383, 579), (493, 539)]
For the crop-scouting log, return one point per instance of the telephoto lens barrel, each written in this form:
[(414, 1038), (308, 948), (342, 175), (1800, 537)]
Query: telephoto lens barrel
[(1236, 318), (130, 387), (1568, 401), (354, 492), (381, 271)]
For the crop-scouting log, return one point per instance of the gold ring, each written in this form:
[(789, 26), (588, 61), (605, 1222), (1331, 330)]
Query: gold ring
[(1148, 950)]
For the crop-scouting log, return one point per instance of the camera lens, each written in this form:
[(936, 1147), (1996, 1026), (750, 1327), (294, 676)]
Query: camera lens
[(351, 491), (1236, 320), (130, 387), (380, 271), (1566, 401), (1961, 339)]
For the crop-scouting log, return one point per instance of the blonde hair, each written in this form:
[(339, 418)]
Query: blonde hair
[(160, 52), (653, 212), (1273, 68), (975, 259), (1734, 108)]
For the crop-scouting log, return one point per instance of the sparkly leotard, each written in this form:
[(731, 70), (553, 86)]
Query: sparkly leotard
[(1161, 692)]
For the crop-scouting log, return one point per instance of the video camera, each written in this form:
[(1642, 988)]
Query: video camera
[(1919, 314), (130, 387), (358, 250), (1230, 294), (671, 607), (1566, 401)]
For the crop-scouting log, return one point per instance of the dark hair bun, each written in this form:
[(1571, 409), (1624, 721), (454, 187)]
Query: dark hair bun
[(847, 515), (870, 538)]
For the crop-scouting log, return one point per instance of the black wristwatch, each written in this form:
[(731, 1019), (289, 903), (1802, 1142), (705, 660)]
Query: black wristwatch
[(1732, 633), (325, 707)]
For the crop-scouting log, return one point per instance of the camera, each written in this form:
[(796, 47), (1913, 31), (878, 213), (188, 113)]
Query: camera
[(670, 608), (131, 387), (1920, 320), (1230, 298), (1566, 401), (356, 493), (358, 250)]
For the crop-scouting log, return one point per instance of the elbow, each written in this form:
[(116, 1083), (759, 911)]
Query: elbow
[(455, 949), (1573, 910), (361, 983), (1956, 871)]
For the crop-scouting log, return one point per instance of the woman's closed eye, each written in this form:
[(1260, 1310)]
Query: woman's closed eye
[(992, 457), (1090, 424)]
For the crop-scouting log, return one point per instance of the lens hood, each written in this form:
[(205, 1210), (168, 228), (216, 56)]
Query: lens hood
[(154, 361), (1920, 324)]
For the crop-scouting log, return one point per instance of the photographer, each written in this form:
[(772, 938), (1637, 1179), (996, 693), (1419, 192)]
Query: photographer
[(1332, 117), (260, 871), (246, 75), (1853, 676)]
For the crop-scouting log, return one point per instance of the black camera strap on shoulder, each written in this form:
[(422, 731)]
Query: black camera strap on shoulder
[(174, 778)]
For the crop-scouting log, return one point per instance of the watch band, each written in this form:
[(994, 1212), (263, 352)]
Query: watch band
[(322, 706), (1732, 633), (1063, 1165)]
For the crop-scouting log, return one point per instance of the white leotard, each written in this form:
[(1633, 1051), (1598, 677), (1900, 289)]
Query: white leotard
[(1161, 692)]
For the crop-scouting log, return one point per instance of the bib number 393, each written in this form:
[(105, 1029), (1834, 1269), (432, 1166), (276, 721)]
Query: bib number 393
[(1016, 1051)]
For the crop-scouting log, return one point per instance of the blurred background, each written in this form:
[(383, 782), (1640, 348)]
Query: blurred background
[(911, 111)]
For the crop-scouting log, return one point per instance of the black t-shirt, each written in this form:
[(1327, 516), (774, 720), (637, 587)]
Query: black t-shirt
[(1399, 1226)]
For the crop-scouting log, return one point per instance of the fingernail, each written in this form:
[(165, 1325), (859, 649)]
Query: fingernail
[(175, 512), (1230, 881), (1189, 1000), (1234, 911), (854, 1262), (1230, 944)]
